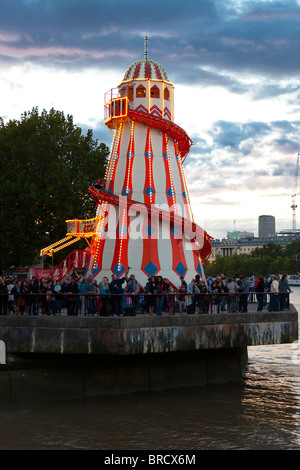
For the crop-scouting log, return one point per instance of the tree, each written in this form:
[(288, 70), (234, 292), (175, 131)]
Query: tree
[(271, 259), (270, 249), (47, 166)]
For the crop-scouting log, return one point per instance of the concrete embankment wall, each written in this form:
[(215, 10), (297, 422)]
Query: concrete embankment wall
[(44, 378), (52, 358)]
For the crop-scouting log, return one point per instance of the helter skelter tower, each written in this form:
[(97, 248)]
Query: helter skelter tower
[(143, 210)]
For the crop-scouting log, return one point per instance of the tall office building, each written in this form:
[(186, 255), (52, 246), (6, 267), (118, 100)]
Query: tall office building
[(266, 226)]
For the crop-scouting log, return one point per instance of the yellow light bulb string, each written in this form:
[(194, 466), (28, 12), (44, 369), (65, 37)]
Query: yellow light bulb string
[(108, 175)]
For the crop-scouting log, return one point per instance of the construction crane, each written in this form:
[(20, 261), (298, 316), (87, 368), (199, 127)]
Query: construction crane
[(294, 205)]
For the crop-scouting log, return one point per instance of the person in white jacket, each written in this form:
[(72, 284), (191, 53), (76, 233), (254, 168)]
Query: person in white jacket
[(274, 289)]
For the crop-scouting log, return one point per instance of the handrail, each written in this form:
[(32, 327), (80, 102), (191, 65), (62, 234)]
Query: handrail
[(69, 263)]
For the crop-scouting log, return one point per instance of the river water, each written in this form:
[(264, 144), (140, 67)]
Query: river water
[(262, 413)]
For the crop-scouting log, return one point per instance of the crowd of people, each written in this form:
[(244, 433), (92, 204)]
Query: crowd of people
[(126, 296)]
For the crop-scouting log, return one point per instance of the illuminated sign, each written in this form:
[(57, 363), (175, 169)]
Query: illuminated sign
[(82, 228)]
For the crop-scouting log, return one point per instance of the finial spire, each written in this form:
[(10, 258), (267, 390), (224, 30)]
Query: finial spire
[(146, 48)]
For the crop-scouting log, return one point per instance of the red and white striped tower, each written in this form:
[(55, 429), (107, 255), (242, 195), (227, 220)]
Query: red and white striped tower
[(147, 221)]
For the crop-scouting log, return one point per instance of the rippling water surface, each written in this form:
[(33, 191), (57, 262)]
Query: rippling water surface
[(262, 413)]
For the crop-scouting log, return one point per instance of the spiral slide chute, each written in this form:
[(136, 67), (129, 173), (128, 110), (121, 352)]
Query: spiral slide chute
[(179, 135), (198, 236)]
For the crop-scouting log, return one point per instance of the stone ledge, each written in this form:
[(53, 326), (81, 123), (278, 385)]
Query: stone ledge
[(147, 320), (145, 334)]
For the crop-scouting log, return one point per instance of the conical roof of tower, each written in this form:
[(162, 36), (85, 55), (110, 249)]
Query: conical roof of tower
[(145, 69)]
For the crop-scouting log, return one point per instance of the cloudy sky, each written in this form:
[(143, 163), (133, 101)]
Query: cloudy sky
[(235, 65)]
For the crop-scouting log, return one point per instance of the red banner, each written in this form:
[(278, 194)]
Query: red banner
[(41, 272)]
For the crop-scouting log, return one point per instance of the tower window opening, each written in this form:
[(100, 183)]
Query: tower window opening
[(140, 91), (166, 94), (154, 92), (130, 93), (127, 91)]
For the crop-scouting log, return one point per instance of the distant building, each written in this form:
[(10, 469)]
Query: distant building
[(266, 226), (243, 246), (238, 243), (237, 235)]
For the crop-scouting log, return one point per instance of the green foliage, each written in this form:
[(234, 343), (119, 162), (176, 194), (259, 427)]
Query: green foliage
[(47, 166), (270, 259)]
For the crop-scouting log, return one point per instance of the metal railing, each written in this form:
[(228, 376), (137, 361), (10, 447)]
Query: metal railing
[(128, 304)]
